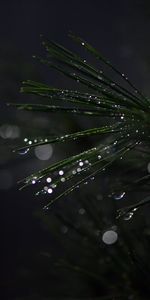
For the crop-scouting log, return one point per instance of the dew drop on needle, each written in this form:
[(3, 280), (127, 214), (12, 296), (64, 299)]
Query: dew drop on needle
[(23, 151), (119, 196)]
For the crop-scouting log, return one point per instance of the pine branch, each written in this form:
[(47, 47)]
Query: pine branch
[(124, 112)]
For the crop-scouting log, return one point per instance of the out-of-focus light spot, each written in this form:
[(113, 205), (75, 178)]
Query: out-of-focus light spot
[(110, 237), (6, 180), (63, 179), (74, 172), (8, 131), (81, 211), (148, 167), (43, 152), (64, 229), (45, 188)]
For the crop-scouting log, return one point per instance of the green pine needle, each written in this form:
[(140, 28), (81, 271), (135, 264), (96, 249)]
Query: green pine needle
[(126, 110)]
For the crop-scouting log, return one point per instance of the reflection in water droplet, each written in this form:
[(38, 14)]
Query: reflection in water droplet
[(128, 216), (119, 196), (23, 151)]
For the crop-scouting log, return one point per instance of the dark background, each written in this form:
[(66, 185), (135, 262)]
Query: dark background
[(120, 29)]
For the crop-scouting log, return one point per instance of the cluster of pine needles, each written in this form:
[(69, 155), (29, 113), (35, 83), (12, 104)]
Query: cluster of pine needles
[(120, 106)]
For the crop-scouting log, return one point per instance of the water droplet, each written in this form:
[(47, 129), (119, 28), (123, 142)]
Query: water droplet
[(30, 142), (23, 151), (79, 170), (61, 172), (119, 196), (49, 179), (49, 191), (33, 181), (81, 163), (83, 44), (25, 140), (45, 207), (99, 157)]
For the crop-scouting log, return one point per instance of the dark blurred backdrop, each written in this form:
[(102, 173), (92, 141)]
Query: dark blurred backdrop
[(120, 29)]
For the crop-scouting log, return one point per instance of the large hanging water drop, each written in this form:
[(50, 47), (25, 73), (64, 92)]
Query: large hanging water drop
[(119, 196), (23, 151)]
